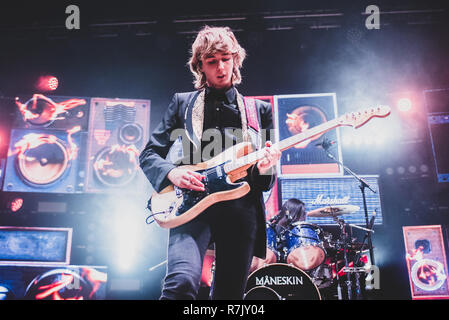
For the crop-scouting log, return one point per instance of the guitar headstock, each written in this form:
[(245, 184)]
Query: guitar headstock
[(359, 118)]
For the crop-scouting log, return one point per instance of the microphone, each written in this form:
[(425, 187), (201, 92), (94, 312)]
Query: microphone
[(275, 219), (326, 143)]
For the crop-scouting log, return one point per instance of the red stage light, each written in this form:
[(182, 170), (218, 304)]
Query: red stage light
[(404, 104), (16, 204), (53, 83), (47, 83)]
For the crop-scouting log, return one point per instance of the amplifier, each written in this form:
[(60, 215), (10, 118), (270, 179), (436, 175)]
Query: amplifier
[(439, 131), (333, 191), (44, 160), (34, 246), (118, 131), (437, 104), (46, 282), (426, 262), (52, 112)]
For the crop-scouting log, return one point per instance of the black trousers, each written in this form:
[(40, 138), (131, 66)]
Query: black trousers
[(231, 225)]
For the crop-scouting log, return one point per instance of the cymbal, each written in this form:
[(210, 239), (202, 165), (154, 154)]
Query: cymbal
[(333, 211)]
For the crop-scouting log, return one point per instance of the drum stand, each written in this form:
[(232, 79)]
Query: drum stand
[(348, 270), (344, 237)]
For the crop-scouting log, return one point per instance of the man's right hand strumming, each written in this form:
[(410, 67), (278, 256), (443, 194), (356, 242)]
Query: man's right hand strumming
[(185, 178)]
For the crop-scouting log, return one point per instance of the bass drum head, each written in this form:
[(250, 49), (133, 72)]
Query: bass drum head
[(45, 163), (261, 293), (289, 282)]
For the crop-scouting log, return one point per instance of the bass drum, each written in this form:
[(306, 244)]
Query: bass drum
[(288, 282), (262, 293)]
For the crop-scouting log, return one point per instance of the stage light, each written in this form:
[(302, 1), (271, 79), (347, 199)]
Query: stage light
[(5, 293), (126, 245), (47, 83), (127, 237), (424, 168), (358, 140), (347, 140), (401, 170), (369, 140), (379, 140), (16, 204), (404, 104), (53, 83)]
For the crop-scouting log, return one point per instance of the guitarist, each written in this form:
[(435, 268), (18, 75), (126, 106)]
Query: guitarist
[(237, 227)]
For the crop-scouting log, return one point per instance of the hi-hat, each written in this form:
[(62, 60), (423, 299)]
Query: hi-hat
[(333, 211)]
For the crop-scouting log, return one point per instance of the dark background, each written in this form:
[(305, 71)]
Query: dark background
[(140, 50)]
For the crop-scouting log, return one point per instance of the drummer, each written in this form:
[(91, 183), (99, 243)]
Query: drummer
[(293, 210)]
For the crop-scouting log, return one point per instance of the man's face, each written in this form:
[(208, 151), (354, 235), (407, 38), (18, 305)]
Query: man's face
[(218, 70)]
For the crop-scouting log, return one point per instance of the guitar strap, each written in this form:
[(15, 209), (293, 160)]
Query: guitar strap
[(251, 113), (248, 110), (252, 120)]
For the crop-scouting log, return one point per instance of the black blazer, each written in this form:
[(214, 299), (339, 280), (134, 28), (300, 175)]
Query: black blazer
[(156, 167)]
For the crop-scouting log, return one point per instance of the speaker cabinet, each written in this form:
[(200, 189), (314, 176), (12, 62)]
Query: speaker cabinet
[(30, 282), (46, 144), (426, 262), (118, 130), (44, 160), (52, 112)]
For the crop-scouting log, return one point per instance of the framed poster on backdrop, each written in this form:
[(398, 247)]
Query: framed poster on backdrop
[(295, 114), (426, 262)]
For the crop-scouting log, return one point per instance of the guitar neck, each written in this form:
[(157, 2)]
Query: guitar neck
[(285, 144)]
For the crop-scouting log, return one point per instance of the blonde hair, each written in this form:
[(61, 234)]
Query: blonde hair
[(209, 41)]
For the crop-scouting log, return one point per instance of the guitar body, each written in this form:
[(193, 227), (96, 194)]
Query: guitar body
[(174, 206)]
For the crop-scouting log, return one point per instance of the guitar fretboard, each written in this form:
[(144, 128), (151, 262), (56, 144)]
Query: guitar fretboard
[(287, 143)]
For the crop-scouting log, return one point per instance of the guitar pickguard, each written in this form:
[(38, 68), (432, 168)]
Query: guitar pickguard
[(215, 181)]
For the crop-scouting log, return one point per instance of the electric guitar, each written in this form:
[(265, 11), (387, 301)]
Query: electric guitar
[(174, 206)]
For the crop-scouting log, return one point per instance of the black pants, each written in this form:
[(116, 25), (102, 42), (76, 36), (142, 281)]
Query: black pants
[(232, 226)]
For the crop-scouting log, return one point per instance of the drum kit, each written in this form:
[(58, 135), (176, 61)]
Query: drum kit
[(304, 262)]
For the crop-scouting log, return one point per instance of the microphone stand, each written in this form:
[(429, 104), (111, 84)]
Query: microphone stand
[(362, 186)]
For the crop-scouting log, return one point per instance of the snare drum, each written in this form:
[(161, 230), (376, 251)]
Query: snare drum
[(305, 248)]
